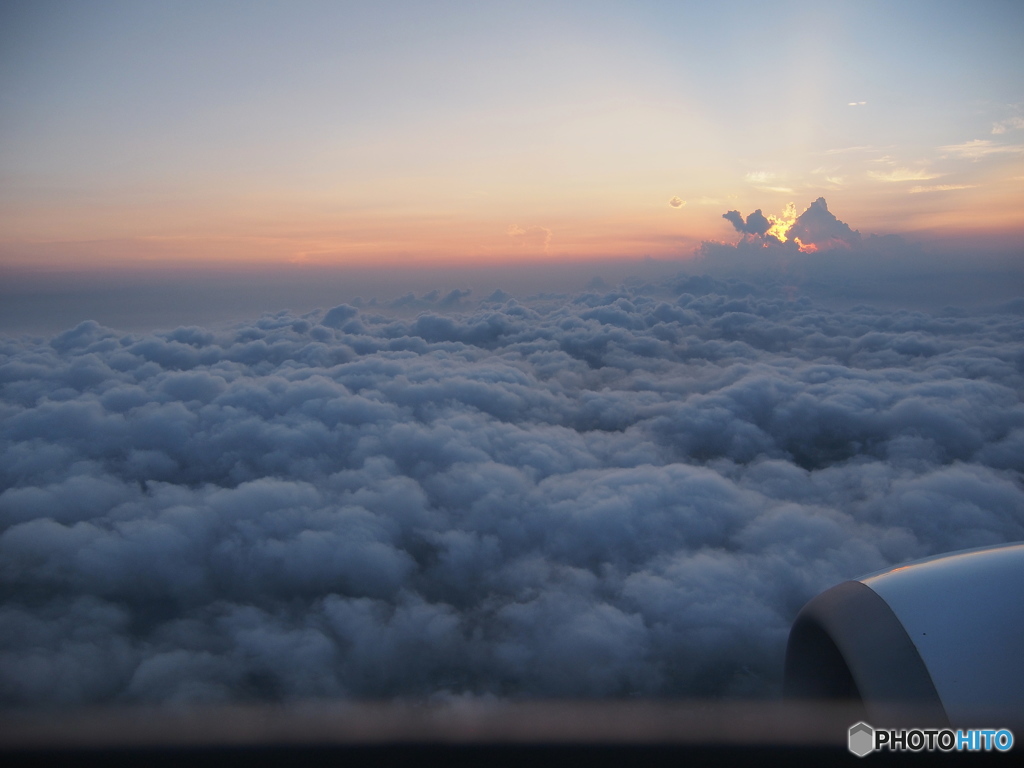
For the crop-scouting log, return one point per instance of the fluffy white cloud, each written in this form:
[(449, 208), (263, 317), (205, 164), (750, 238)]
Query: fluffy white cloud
[(626, 491)]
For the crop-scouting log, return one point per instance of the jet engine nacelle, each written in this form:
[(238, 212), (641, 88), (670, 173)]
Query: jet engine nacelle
[(939, 641)]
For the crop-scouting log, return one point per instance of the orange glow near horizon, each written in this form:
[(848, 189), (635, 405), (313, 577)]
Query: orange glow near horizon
[(276, 231), (429, 246), (394, 229), (300, 234)]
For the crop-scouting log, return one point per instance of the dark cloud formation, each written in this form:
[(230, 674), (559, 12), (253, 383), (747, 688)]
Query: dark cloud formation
[(756, 224), (819, 226), (816, 228), (624, 492), (818, 256)]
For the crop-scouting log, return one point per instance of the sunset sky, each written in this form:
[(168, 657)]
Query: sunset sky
[(480, 350), (452, 132)]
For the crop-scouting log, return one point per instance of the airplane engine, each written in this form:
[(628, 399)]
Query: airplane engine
[(939, 641)]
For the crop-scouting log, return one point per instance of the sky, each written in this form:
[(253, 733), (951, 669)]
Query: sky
[(479, 350), (417, 134)]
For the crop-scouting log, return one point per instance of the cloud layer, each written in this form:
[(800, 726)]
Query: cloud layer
[(625, 492)]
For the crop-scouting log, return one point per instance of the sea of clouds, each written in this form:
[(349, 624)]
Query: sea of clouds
[(623, 492)]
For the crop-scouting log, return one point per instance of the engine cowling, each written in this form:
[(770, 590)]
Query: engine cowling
[(939, 641)]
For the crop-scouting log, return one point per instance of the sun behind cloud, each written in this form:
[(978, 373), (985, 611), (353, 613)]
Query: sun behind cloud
[(815, 229)]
